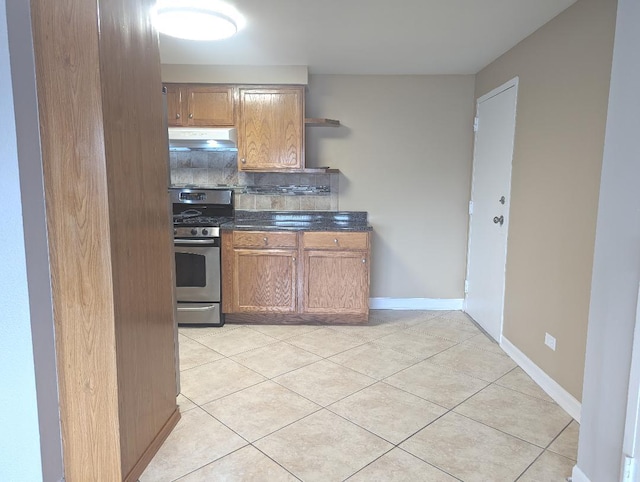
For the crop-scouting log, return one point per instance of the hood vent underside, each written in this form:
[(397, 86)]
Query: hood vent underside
[(202, 139)]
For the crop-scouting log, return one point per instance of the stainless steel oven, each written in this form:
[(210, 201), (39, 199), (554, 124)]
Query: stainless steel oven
[(198, 214), (198, 280)]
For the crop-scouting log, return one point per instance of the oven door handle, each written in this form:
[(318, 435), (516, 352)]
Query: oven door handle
[(196, 308), (209, 242)]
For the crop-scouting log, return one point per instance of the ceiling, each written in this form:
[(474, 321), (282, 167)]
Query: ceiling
[(371, 36)]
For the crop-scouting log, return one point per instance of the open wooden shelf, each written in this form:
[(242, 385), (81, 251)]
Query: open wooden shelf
[(307, 170), (320, 170), (321, 122)]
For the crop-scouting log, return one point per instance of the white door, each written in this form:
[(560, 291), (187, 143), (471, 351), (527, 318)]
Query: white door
[(489, 208)]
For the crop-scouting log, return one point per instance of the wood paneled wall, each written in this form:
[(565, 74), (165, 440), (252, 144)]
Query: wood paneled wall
[(104, 156), (142, 241)]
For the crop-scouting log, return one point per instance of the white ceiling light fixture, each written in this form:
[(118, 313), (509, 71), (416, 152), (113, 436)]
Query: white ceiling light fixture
[(197, 19)]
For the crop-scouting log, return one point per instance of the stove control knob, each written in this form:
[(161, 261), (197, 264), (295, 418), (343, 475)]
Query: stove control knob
[(205, 232), (194, 232)]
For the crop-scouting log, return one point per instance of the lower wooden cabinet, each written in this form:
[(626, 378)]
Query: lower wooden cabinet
[(336, 282), (264, 280), (296, 277)]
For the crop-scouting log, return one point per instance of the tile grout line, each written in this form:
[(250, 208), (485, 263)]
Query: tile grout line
[(404, 440), (278, 463), (552, 402), (374, 342), (395, 445), (429, 463), (367, 465), (501, 431), (507, 433), (451, 410), (208, 463), (248, 443), (543, 451)]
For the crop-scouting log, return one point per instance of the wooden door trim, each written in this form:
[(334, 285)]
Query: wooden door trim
[(137, 470)]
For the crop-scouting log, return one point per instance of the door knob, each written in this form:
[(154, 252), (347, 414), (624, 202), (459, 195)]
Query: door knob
[(499, 220)]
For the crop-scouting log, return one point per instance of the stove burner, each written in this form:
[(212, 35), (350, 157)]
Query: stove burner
[(188, 214), (200, 221), (195, 217), (198, 209)]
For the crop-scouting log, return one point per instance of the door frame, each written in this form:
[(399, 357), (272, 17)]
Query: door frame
[(513, 83), (631, 440)]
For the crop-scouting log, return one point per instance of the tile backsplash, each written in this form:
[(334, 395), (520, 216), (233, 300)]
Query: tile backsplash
[(260, 191)]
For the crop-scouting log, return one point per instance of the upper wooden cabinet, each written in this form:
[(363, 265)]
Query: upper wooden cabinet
[(270, 120), (271, 129), (174, 104), (200, 105)]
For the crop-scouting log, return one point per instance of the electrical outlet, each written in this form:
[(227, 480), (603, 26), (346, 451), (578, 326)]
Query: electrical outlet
[(550, 341)]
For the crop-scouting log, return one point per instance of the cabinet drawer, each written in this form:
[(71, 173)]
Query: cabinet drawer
[(335, 240), (264, 239)]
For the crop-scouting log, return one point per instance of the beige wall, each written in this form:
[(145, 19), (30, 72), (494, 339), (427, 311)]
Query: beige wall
[(404, 152), (236, 74), (564, 71)]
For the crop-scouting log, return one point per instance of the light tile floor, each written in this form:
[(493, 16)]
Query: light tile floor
[(411, 396)]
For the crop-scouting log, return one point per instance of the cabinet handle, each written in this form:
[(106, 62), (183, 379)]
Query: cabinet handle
[(293, 259), (364, 260), (190, 116), (266, 241), (243, 160), (177, 116), (335, 241)]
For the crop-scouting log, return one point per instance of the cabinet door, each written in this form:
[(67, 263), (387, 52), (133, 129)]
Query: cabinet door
[(264, 280), (336, 282), (174, 105), (210, 105), (271, 131)]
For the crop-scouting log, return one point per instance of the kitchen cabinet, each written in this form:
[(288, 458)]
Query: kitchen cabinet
[(201, 105), (295, 276), (335, 273), (265, 272), (174, 104), (271, 128)]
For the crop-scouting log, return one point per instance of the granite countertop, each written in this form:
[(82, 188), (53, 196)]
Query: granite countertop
[(299, 221), (288, 190)]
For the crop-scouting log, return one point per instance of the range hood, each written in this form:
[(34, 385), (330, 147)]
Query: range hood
[(202, 139)]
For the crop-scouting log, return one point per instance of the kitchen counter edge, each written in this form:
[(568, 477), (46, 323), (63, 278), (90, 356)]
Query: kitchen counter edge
[(299, 221)]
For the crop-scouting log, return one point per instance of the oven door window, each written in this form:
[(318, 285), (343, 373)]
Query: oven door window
[(191, 270)]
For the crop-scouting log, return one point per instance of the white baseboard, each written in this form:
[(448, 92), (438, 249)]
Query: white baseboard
[(415, 304), (577, 475), (548, 384)]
